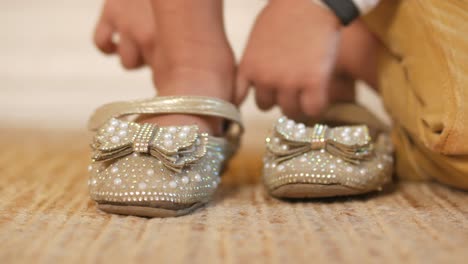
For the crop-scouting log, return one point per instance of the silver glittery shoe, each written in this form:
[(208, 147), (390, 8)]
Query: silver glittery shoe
[(324, 161), (156, 171)]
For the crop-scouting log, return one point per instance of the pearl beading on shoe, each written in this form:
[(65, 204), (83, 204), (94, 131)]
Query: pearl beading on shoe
[(176, 147), (132, 178), (141, 178), (291, 139), (142, 140), (286, 162)]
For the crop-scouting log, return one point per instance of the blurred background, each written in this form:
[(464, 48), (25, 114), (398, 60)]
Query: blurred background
[(51, 75), (52, 78)]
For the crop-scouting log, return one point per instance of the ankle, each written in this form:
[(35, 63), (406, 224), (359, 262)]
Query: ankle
[(198, 70), (187, 80), (209, 72)]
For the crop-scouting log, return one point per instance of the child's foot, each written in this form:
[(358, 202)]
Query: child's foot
[(193, 57), (152, 171), (193, 83), (195, 62)]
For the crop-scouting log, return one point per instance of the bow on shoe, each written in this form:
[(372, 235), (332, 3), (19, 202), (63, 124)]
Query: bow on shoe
[(351, 143), (175, 147)]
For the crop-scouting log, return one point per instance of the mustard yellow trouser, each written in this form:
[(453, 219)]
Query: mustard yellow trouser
[(423, 76)]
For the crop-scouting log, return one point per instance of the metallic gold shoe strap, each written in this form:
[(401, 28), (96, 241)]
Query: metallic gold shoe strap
[(198, 105)]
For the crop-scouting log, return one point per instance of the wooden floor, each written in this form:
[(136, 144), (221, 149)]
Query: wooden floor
[(47, 217)]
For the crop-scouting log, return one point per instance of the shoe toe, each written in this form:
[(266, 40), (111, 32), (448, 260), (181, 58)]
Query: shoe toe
[(142, 180), (321, 169)]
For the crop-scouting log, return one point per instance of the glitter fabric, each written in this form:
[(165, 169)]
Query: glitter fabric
[(151, 166), (321, 155)]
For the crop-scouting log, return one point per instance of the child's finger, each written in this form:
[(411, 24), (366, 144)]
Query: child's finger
[(341, 88), (242, 88), (103, 37), (264, 98), (130, 56), (313, 101), (288, 101)]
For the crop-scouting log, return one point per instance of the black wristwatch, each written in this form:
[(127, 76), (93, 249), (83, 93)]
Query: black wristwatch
[(349, 10), (345, 10)]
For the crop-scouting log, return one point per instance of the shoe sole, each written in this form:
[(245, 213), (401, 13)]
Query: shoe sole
[(145, 211), (301, 191)]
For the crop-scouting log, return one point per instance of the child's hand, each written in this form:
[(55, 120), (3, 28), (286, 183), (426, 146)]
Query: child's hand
[(133, 22), (290, 57)]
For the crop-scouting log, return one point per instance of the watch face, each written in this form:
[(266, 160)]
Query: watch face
[(346, 11), (365, 6)]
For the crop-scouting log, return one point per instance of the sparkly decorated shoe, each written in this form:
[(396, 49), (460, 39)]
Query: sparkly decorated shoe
[(325, 161), (156, 171)]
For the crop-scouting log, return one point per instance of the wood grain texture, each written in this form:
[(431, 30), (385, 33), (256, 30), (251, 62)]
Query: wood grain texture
[(46, 216)]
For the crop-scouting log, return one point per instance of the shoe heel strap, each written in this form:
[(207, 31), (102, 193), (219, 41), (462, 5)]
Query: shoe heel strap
[(199, 105)]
